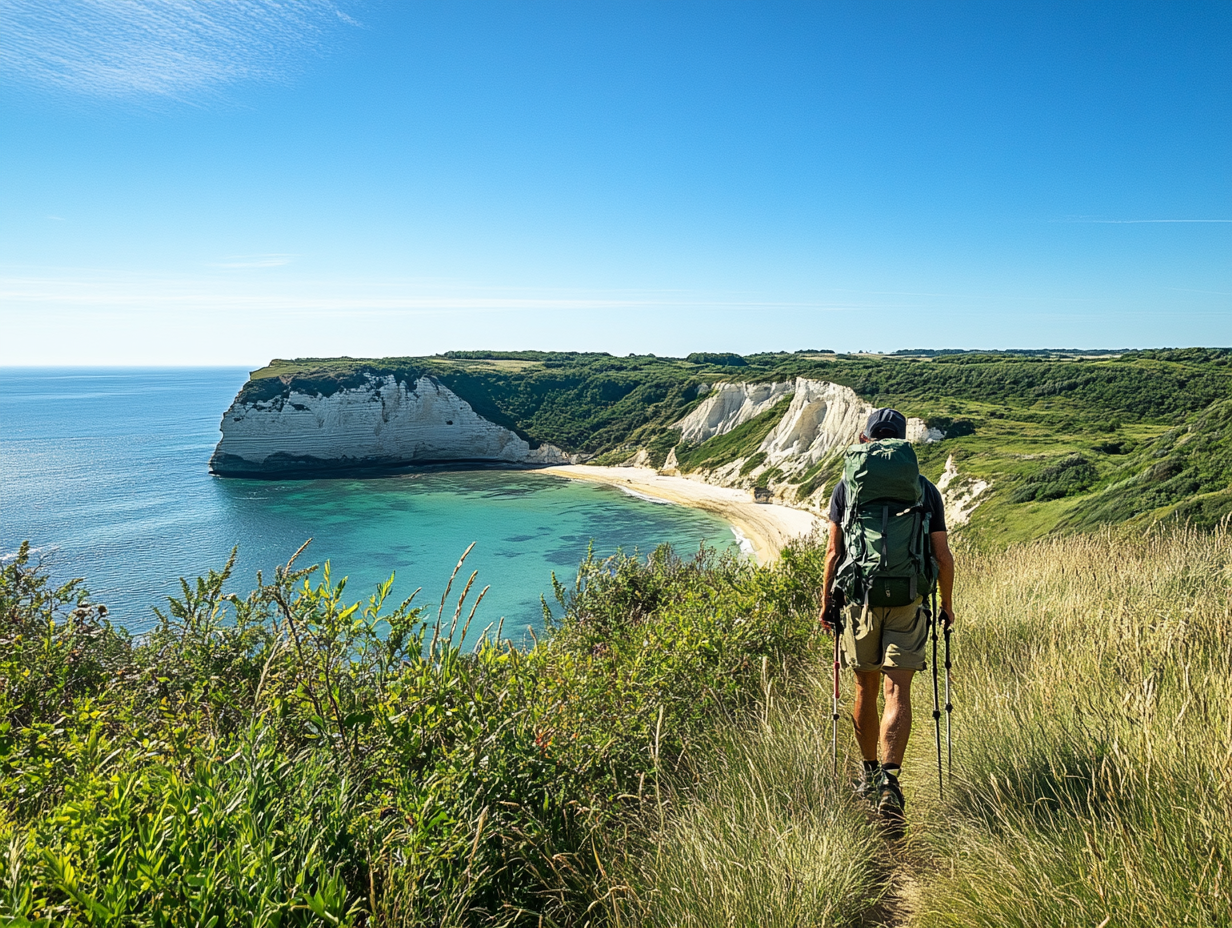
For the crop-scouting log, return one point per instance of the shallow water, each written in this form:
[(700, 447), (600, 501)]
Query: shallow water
[(104, 471)]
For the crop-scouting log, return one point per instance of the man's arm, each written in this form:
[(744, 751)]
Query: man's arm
[(945, 576), (834, 553)]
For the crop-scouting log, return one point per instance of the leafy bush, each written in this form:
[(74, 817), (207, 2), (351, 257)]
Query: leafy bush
[(1070, 475), (764, 478), (751, 463), (722, 358), (293, 758), (953, 428), (817, 476), (660, 446)]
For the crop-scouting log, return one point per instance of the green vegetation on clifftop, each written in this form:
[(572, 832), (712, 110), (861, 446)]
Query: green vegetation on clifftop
[(660, 757), (1147, 426)]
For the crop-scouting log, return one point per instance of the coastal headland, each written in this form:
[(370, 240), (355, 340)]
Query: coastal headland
[(1021, 443), (768, 527)]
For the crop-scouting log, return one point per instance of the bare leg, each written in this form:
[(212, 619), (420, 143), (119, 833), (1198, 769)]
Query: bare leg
[(867, 722), (896, 723)]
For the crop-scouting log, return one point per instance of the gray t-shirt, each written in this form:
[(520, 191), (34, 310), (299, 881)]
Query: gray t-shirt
[(932, 500)]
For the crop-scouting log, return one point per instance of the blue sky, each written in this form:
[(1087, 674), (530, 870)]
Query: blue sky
[(226, 182)]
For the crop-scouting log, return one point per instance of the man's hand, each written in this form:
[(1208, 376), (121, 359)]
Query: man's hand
[(829, 606), (831, 614), (947, 616)]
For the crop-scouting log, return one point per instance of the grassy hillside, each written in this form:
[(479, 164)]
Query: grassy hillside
[(1090, 778), (659, 758), (1092, 771), (1067, 440)]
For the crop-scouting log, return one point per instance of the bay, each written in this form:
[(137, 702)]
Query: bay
[(104, 471)]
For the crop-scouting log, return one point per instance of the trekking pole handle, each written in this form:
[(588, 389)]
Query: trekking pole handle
[(833, 615)]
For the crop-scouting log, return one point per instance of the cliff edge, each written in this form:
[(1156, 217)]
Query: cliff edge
[(376, 421)]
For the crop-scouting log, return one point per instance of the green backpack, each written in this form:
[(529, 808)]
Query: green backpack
[(889, 559)]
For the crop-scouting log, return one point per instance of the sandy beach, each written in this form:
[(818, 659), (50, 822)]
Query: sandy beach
[(767, 527)]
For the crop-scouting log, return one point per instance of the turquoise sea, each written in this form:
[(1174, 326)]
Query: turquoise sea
[(104, 471)]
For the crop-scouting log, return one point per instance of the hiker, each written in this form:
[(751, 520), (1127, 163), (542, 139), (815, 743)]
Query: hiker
[(886, 641)]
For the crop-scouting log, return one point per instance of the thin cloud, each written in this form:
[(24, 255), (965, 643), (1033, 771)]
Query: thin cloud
[(1132, 222), (160, 48), (245, 261)]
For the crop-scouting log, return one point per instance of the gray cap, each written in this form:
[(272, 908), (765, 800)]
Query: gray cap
[(885, 423)]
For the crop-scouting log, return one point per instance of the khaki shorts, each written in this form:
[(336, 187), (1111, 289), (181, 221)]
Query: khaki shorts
[(885, 637)]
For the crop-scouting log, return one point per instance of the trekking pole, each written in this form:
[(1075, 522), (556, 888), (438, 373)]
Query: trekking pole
[(949, 708), (834, 715), (836, 628), (932, 621)]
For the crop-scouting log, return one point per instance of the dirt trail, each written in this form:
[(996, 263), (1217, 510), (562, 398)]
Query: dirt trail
[(902, 861), (905, 861)]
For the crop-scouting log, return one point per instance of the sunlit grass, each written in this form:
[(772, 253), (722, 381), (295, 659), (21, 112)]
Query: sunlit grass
[(1094, 762), (769, 838), (1092, 766)]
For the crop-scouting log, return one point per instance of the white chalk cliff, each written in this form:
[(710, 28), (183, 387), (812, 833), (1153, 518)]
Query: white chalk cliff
[(960, 493), (823, 418), (728, 405), (383, 423), (822, 421)]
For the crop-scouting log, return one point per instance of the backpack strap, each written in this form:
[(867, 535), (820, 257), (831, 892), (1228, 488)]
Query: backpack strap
[(885, 532), (928, 564), (851, 560)]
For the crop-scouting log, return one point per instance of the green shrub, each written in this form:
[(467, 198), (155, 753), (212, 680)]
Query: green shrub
[(721, 358), (1070, 475), (771, 473), (953, 428), (291, 757), (661, 445), (752, 463)]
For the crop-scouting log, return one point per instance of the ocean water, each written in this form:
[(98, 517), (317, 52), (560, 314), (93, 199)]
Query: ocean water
[(104, 472)]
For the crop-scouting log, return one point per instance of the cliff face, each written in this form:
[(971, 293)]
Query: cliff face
[(381, 423), (384, 420), (822, 421), (825, 418), (728, 405)]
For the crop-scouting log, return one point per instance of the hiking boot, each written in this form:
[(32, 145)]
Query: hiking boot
[(890, 803), (866, 786)]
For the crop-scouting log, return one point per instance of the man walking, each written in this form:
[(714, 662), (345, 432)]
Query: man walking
[(887, 641)]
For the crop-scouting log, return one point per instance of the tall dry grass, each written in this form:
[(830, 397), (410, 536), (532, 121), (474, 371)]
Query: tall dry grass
[(767, 838), (1094, 765)]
